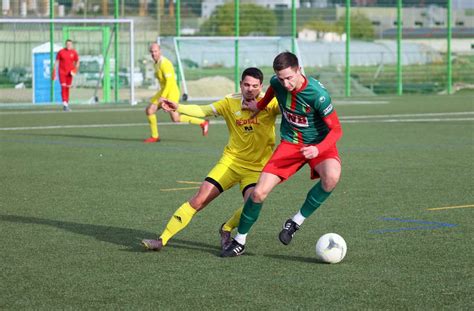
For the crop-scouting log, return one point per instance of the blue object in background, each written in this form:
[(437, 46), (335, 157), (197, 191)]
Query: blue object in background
[(42, 76)]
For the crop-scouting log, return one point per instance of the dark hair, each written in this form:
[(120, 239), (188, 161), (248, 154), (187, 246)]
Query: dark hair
[(285, 60), (253, 72), (68, 40)]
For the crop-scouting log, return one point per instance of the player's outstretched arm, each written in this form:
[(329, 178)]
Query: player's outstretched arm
[(197, 111)]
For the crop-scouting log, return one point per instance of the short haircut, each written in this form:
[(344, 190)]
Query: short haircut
[(254, 73), (285, 60), (68, 40), (152, 44)]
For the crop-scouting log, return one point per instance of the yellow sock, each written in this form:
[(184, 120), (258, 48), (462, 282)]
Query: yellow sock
[(192, 120), (178, 221), (153, 125), (233, 221)]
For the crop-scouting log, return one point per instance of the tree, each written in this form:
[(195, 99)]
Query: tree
[(254, 19), (322, 26), (361, 26)]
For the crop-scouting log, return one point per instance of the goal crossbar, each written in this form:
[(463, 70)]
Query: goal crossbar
[(231, 39)]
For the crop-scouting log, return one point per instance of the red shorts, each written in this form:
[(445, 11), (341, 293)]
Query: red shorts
[(65, 79), (287, 159)]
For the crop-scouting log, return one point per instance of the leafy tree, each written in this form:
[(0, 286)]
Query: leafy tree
[(361, 26), (254, 19), (323, 26)]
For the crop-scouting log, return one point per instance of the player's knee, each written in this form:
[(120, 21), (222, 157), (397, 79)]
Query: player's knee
[(258, 195), (151, 109), (330, 182), (197, 203)]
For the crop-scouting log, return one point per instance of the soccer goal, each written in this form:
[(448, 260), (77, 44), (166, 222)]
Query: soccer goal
[(107, 72), (211, 67)]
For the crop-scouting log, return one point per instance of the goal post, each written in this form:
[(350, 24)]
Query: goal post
[(21, 78), (207, 66)]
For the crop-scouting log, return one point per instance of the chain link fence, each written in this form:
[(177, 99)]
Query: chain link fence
[(384, 57)]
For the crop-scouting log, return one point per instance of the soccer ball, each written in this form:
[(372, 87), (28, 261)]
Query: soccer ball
[(331, 248)]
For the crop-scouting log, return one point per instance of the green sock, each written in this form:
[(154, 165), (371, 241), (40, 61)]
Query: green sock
[(316, 196), (249, 215)]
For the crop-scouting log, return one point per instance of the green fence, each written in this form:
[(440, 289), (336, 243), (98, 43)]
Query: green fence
[(358, 47)]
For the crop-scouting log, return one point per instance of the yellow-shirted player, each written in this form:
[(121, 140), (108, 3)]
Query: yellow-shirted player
[(250, 145), (166, 76)]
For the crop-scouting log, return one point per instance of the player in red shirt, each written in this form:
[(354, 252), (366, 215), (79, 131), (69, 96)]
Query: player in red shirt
[(68, 61), (309, 131)]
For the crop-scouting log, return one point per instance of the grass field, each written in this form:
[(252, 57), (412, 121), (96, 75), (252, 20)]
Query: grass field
[(80, 190)]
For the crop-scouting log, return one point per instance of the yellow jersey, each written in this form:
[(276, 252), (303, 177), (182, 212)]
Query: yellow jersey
[(251, 140), (164, 72)]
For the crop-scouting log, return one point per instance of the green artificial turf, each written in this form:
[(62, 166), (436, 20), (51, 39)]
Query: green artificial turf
[(76, 201)]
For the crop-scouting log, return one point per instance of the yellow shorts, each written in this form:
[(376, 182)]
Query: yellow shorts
[(173, 96), (226, 176)]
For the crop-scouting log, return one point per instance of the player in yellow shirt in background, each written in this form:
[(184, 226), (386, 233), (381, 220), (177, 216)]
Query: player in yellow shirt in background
[(166, 76), (250, 145)]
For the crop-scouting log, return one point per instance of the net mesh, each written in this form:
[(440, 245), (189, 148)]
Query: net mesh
[(101, 46)]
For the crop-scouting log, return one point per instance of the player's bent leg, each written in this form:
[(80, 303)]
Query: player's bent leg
[(265, 185), (329, 171), (152, 121), (233, 221), (288, 231), (203, 124), (206, 194), (253, 205), (180, 219), (183, 215), (233, 249), (152, 245), (228, 226), (175, 116), (204, 127)]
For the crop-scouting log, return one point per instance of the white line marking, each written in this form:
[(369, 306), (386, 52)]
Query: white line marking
[(408, 115), (346, 119), (408, 120), (49, 127), (75, 111), (360, 102)]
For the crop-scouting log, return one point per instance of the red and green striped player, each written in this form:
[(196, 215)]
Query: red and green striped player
[(309, 131)]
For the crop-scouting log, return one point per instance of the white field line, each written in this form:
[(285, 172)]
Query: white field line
[(360, 102), (111, 109), (408, 120), (395, 118), (75, 111), (413, 115)]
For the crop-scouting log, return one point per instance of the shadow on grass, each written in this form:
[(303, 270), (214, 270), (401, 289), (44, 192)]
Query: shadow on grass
[(129, 238), (204, 247), (137, 140), (296, 258), (85, 137)]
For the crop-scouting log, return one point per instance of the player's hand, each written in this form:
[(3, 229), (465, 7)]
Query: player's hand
[(251, 105), (53, 75), (73, 72), (168, 105), (310, 152)]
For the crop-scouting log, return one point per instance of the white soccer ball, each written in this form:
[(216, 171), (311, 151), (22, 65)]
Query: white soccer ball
[(331, 248)]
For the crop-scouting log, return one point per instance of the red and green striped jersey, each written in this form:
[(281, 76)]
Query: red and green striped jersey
[(303, 111)]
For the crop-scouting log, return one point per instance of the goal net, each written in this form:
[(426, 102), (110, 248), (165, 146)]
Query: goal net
[(210, 67), (106, 53)]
